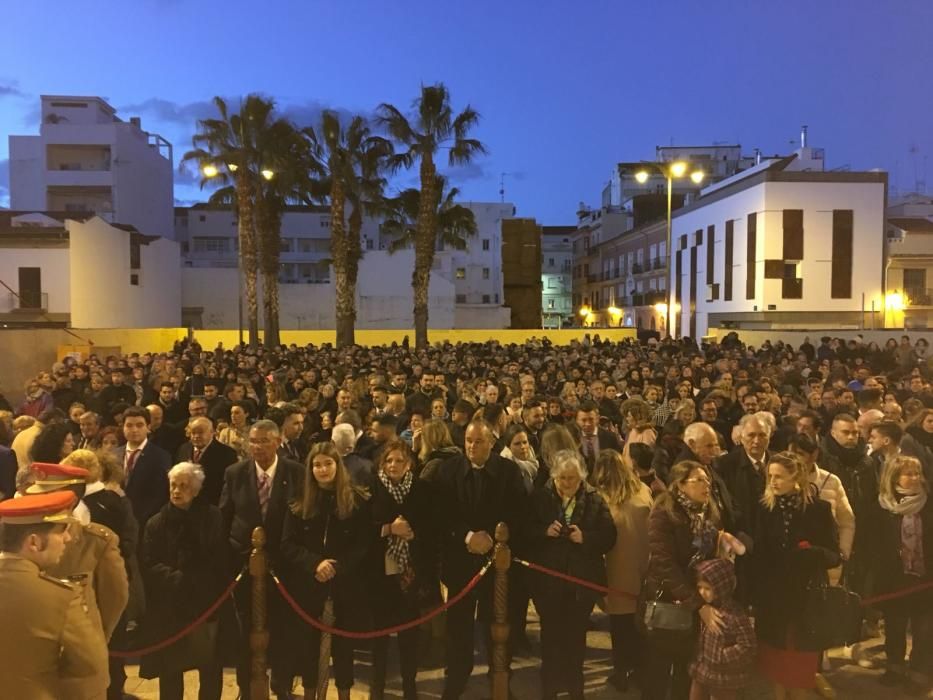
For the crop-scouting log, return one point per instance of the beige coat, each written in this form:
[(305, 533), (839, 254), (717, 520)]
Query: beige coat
[(627, 561), (51, 647), (92, 561)]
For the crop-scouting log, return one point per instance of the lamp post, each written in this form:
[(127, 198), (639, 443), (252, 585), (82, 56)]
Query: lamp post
[(675, 170), (209, 171)]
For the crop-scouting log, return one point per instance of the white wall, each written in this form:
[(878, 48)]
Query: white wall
[(474, 259), (101, 293), (769, 199), (54, 266), (27, 169)]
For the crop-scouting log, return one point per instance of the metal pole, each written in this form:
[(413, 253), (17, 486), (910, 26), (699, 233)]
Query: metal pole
[(502, 560), (259, 633), (670, 260)]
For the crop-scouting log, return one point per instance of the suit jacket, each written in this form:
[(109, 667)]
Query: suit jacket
[(746, 485), (607, 441), (239, 505), (8, 467), (295, 450), (504, 500), (214, 461), (147, 485), (168, 437)]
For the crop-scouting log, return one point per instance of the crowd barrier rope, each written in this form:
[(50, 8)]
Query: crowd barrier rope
[(185, 631), (894, 595), (573, 579), (373, 634)]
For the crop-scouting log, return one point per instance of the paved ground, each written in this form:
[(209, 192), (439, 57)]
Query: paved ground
[(851, 680)]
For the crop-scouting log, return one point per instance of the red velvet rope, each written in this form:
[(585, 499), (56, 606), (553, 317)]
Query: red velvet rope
[(136, 653), (897, 594), (573, 579), (372, 634)]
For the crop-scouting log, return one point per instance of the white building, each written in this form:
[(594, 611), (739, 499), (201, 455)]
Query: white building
[(781, 245), (86, 273), (556, 275), (86, 159), (910, 261)]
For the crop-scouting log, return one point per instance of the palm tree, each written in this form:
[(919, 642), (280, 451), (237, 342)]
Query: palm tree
[(455, 224), (231, 141), (353, 161), (434, 127)]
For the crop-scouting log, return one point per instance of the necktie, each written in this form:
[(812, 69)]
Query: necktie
[(131, 462), (265, 490), (758, 466), (196, 457), (476, 486)]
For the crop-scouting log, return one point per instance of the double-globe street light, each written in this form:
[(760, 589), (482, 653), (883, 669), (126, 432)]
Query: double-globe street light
[(209, 171), (670, 171)]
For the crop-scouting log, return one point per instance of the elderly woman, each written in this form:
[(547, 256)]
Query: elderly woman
[(406, 574), (796, 541), (184, 565), (326, 538), (629, 502), (571, 531), (683, 530), (904, 558)]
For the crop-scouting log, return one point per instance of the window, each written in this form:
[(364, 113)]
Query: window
[(134, 279), (202, 218), (461, 273), (285, 245), (305, 270), (791, 286), (461, 298), (485, 273), (751, 251), (793, 234), (369, 243), (485, 298), (485, 244), (662, 284), (841, 275), (550, 303), (134, 254), (553, 283), (325, 223), (727, 276), (497, 298), (550, 262), (710, 253)]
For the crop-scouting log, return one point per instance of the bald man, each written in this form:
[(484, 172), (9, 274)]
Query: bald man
[(213, 456)]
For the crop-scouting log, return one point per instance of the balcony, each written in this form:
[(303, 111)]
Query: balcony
[(659, 263), (648, 298), (27, 302), (592, 278), (637, 268), (918, 296)]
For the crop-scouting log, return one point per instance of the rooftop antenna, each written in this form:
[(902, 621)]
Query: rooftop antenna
[(502, 186)]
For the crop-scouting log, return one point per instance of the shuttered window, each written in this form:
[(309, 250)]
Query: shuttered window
[(751, 252), (727, 276), (793, 234), (841, 279)]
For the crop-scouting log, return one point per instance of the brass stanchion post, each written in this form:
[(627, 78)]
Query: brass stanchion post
[(502, 560), (258, 634)]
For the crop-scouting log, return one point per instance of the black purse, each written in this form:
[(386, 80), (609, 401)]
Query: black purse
[(832, 616), (667, 624)]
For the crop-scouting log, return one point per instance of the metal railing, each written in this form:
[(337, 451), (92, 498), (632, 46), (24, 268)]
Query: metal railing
[(27, 302), (918, 296)]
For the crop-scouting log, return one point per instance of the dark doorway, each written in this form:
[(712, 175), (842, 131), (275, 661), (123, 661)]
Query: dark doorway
[(30, 288)]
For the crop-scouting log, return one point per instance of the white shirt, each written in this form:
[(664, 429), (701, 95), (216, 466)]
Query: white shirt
[(129, 451), (270, 472)]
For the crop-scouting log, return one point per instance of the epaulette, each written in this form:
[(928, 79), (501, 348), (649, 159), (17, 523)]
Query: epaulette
[(98, 530), (57, 581)]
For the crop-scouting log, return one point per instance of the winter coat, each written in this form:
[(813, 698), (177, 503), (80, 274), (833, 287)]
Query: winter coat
[(627, 561), (782, 569), (829, 488), (724, 660), (586, 560), (434, 460), (184, 564), (886, 559)]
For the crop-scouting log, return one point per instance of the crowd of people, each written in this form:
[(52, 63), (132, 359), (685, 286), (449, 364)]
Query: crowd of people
[(710, 487)]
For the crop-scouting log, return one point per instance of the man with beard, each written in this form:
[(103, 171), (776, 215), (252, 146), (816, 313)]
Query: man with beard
[(842, 453)]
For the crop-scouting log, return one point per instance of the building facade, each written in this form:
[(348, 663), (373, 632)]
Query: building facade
[(87, 160), (557, 276), (780, 245), (909, 278)]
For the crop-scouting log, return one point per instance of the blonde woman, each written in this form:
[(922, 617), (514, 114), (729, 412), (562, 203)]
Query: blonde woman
[(325, 541), (904, 558), (629, 503), (796, 542), (436, 446), (554, 438)]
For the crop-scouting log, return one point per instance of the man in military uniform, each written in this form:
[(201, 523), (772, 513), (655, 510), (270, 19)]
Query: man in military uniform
[(92, 559), (52, 647)]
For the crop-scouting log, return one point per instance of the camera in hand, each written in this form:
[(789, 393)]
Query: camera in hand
[(565, 530)]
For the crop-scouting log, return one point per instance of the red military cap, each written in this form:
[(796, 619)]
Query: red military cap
[(53, 477), (54, 507)]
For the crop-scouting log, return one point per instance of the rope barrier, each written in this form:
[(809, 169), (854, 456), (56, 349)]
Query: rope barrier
[(373, 634), (136, 653), (573, 579), (893, 595)]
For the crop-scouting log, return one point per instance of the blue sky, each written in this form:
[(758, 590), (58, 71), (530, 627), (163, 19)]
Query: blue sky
[(565, 89)]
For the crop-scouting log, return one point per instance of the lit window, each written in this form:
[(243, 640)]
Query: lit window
[(461, 273), (485, 273)]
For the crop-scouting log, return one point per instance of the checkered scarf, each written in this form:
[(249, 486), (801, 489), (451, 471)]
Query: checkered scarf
[(397, 548)]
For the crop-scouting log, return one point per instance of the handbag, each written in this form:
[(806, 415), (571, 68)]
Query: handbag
[(662, 616), (832, 616)]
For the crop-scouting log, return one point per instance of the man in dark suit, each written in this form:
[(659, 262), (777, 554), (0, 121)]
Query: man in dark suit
[(213, 456), (475, 492), (701, 445), (168, 437), (145, 467), (174, 413), (291, 422), (255, 494), (593, 439), (745, 469)]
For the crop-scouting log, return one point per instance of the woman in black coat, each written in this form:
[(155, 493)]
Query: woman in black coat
[(405, 563), (326, 537), (184, 566), (796, 541), (571, 531), (903, 557)]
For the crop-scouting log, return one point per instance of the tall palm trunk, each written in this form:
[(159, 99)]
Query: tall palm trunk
[(424, 249), (354, 254), (268, 225), (248, 259), (344, 292)]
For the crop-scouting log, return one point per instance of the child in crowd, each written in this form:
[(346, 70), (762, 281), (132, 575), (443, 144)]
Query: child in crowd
[(725, 652)]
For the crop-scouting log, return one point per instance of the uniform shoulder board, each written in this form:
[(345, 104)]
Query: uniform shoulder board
[(57, 581), (99, 531)]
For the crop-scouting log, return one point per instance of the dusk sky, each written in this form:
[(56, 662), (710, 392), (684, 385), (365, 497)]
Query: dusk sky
[(565, 89)]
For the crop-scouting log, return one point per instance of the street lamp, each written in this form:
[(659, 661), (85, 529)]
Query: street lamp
[(675, 170)]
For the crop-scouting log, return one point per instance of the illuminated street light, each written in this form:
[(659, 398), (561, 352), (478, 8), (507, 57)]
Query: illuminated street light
[(678, 168), (584, 311), (641, 176), (661, 307), (232, 167), (894, 301), (209, 170), (268, 174), (614, 310), (697, 176)]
